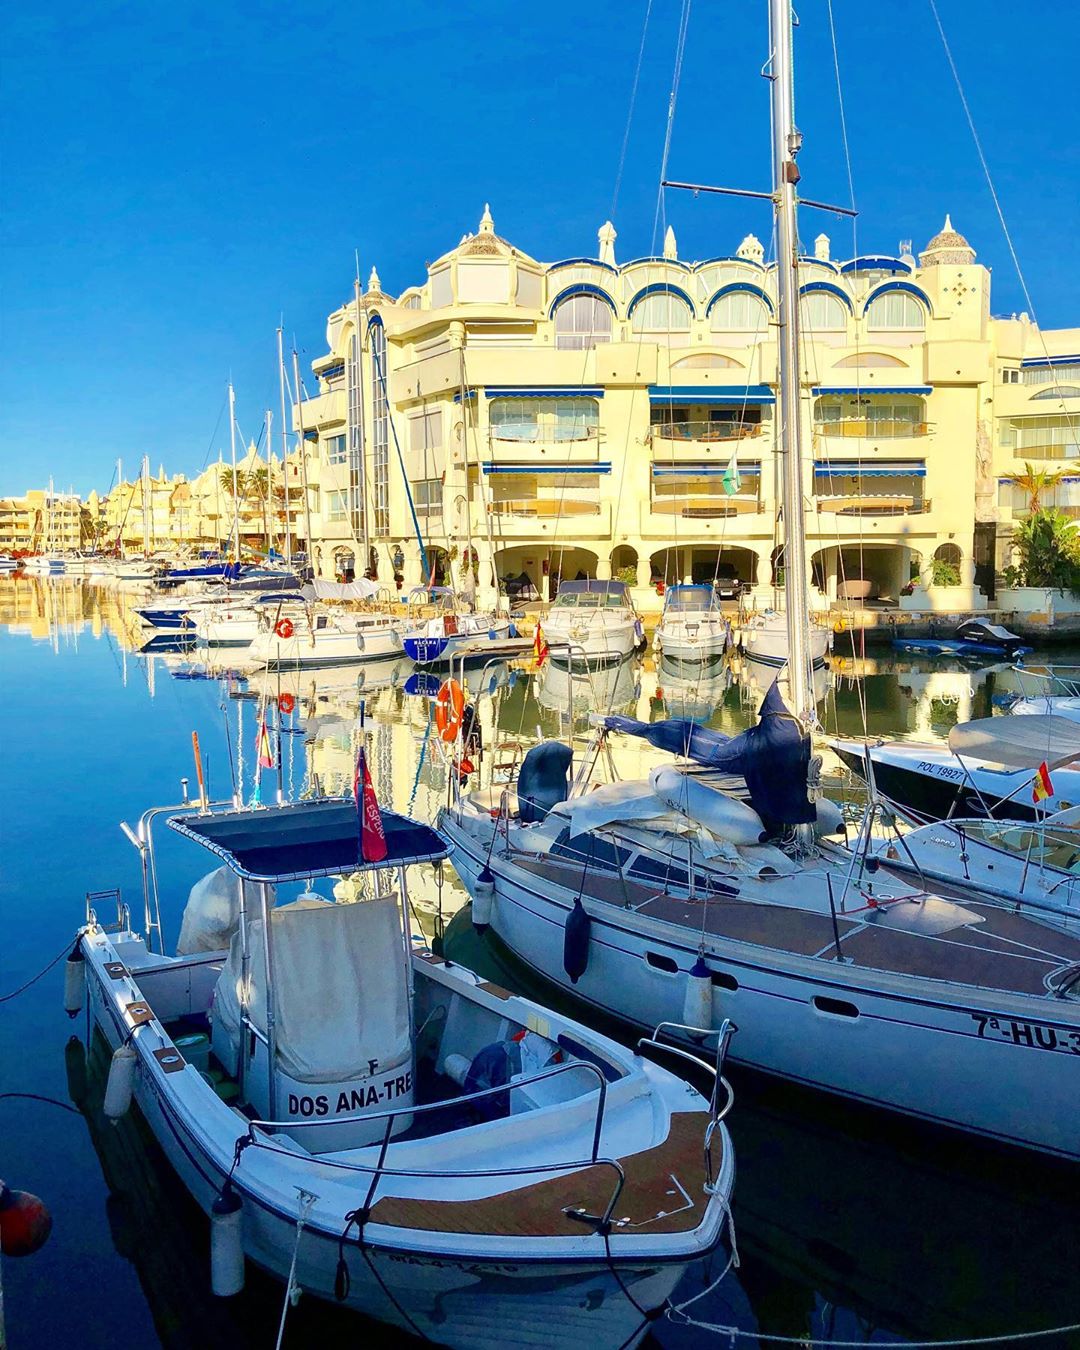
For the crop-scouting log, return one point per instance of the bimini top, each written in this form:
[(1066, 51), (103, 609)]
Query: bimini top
[(591, 586), (305, 839), (1018, 742), (696, 597)]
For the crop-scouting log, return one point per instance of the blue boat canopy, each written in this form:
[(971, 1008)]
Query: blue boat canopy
[(773, 757), (305, 839), (731, 396)]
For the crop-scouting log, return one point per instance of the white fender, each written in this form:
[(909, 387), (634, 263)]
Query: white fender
[(697, 1001), (483, 900), (723, 815), (226, 1245), (74, 983), (120, 1083), (830, 819)]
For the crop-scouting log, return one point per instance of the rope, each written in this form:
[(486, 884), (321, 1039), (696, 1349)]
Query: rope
[(23, 987), (292, 1289), (630, 110), (37, 1097), (808, 1342)]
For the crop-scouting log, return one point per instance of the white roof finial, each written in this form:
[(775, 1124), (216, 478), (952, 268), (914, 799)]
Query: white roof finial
[(487, 225), (373, 282), (947, 227), (607, 236), (671, 249)]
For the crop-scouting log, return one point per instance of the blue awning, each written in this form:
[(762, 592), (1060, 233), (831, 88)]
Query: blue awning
[(703, 470), (1033, 361), (592, 466), (729, 396), (897, 469), (305, 839), (873, 389), (469, 393), (545, 391)]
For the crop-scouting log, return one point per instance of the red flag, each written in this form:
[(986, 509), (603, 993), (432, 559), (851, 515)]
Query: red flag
[(1042, 786), (540, 645), (262, 746), (372, 835)]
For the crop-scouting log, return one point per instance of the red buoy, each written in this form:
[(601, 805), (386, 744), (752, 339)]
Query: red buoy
[(25, 1223), (286, 703)]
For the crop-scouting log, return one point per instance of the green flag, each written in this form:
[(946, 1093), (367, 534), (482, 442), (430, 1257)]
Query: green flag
[(732, 479)]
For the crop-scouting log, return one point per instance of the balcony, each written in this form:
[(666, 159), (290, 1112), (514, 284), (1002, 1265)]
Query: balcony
[(545, 449), (873, 504), (546, 517), (703, 513), (1047, 451), (701, 440), (872, 428)]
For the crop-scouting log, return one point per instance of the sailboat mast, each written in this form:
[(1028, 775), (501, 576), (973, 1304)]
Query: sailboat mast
[(145, 506), (284, 445), (358, 451), (303, 458), (232, 449), (786, 142)]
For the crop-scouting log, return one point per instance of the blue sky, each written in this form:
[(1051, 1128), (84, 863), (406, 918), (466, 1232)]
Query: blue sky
[(176, 178)]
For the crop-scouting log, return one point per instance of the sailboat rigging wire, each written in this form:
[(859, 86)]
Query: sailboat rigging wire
[(994, 196), (630, 110), (809, 1342)]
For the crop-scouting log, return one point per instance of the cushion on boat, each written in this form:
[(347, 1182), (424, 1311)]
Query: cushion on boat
[(341, 997), (543, 781)]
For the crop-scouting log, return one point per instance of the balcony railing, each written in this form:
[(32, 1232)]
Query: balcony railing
[(545, 434), (860, 428), (705, 431), (545, 508), (1022, 512), (874, 504), (1046, 451), (706, 505)]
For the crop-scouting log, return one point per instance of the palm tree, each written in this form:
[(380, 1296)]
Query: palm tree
[(1036, 482)]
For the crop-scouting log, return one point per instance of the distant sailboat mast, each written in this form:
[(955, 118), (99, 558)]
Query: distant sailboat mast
[(232, 451), (303, 456), (358, 447), (145, 506), (284, 444)]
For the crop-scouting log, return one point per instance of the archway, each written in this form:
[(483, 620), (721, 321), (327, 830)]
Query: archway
[(569, 563), (624, 564), (438, 563), (862, 573), (344, 564)]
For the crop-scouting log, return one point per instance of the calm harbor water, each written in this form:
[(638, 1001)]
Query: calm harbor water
[(851, 1226)]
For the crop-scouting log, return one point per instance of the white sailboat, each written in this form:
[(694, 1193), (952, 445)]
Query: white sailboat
[(711, 889), (381, 1128)]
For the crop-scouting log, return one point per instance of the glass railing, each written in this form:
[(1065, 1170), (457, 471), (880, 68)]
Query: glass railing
[(705, 431), (545, 507), (859, 427)]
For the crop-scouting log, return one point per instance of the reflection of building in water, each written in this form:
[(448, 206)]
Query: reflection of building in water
[(608, 689), (939, 700)]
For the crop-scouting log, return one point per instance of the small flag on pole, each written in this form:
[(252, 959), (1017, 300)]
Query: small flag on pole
[(732, 479), (372, 835), (262, 746), (1041, 786), (540, 645)]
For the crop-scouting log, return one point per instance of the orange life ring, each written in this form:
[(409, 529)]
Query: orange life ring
[(286, 703), (449, 708), (284, 628)]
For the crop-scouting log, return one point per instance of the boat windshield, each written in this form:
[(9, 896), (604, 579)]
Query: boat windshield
[(686, 599), (1052, 846), (589, 600)]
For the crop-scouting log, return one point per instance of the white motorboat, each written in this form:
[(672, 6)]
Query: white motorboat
[(236, 621), (1059, 705), (437, 627), (45, 565), (592, 622), (765, 639), (9, 564), (313, 637), (986, 769), (383, 1128), (657, 898), (693, 626)]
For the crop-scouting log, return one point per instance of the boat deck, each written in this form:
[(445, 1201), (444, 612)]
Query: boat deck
[(1006, 952), (663, 1193)]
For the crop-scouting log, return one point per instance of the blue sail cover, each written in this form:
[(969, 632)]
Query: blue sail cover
[(773, 757)]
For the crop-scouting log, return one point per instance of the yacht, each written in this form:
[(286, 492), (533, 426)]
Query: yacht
[(380, 1127), (592, 623), (693, 626), (437, 627), (312, 637), (765, 639)]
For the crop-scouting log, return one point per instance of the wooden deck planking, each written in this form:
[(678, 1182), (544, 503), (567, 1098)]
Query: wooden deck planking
[(650, 1197)]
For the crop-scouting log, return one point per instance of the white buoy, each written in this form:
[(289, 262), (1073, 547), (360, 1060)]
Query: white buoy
[(830, 819), (697, 1001), (226, 1246), (483, 900), (121, 1082), (74, 982)]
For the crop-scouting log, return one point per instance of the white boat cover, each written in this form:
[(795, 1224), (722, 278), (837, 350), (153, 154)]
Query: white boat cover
[(625, 802), (1018, 742), (361, 589), (211, 913), (341, 996)]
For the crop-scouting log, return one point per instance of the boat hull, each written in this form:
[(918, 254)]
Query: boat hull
[(957, 1057), (327, 648)]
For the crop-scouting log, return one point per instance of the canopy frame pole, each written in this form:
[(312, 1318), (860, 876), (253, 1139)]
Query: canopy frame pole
[(266, 909), (406, 948), (975, 788), (245, 984)]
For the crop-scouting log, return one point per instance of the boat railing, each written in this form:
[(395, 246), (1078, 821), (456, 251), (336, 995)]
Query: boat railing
[(718, 1109), (381, 1169), (1048, 680), (123, 913)]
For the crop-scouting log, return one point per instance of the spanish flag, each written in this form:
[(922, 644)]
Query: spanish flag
[(263, 747), (1041, 786), (540, 645)]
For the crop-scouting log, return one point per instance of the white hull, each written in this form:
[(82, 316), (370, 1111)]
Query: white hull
[(985, 1061), (766, 641), (452, 1289), (326, 647), (599, 639), (688, 639)]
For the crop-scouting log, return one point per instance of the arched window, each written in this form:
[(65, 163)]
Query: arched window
[(822, 312), (581, 321), (1059, 391), (662, 312), (896, 310), (739, 312)]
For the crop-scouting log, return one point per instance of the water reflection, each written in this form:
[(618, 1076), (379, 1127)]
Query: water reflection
[(850, 1225)]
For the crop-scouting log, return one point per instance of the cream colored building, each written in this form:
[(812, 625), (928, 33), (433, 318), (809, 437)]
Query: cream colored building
[(41, 521), (580, 416)]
